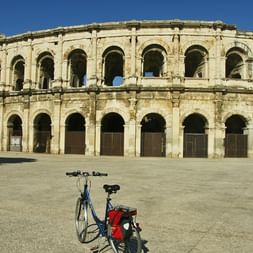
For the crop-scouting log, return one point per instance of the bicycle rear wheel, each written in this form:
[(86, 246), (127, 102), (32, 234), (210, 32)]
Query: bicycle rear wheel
[(130, 245), (81, 219)]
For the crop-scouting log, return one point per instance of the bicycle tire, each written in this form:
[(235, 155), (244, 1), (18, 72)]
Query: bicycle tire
[(130, 245), (81, 219)]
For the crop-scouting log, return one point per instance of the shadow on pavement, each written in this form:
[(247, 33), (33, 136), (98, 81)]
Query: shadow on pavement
[(4, 160)]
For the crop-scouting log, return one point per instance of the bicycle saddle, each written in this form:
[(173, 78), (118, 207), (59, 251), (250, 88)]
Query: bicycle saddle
[(111, 188)]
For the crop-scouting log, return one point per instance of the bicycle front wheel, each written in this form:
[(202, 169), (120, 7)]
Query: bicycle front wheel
[(81, 219), (130, 245)]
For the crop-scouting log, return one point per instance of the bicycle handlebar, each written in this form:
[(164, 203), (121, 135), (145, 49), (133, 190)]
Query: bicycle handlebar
[(86, 174)]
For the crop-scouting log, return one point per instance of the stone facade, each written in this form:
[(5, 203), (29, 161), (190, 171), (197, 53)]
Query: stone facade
[(138, 88)]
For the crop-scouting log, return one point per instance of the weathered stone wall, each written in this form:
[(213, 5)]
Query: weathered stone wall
[(220, 90)]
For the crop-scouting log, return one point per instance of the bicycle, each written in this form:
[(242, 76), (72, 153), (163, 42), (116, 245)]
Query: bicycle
[(119, 225)]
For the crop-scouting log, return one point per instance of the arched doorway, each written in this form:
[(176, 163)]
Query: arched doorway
[(153, 135), (15, 133), (112, 135), (195, 137), (42, 133), (75, 134), (236, 142)]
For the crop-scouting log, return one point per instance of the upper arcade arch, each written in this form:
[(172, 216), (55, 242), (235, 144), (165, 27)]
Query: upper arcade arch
[(154, 60), (113, 66), (45, 70), (18, 72), (196, 65), (77, 68)]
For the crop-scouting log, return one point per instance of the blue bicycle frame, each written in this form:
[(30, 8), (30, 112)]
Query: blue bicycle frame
[(102, 225)]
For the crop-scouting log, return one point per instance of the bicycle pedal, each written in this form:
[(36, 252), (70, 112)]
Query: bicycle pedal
[(94, 249)]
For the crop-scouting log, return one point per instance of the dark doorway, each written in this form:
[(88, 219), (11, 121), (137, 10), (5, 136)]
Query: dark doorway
[(236, 142), (75, 134), (152, 135), (15, 133), (42, 133), (112, 135), (195, 138)]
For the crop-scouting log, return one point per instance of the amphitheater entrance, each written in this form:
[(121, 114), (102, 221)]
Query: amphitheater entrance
[(15, 133), (236, 141), (153, 135), (42, 133), (112, 135), (75, 134), (195, 138)]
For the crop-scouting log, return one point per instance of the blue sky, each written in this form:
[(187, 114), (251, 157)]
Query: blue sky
[(30, 15)]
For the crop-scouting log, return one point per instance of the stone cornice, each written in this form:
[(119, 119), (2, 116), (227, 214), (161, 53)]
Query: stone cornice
[(181, 24)]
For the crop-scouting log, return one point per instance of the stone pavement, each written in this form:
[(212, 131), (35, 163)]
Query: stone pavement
[(184, 206)]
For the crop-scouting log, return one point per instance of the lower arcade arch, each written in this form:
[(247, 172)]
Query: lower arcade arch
[(42, 133), (112, 135), (236, 140), (75, 134), (195, 137), (153, 135), (15, 133)]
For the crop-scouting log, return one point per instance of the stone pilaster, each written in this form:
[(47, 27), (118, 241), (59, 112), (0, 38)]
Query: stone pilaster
[(176, 146), (90, 138), (28, 67), (57, 82), (55, 131), (92, 61)]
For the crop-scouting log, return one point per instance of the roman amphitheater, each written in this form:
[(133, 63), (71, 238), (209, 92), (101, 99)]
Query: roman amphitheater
[(169, 88)]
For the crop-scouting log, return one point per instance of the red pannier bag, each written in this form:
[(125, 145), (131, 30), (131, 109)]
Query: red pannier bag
[(120, 221)]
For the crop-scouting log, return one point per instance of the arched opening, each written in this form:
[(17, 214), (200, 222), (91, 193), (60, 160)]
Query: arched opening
[(153, 61), (42, 133), (153, 135), (15, 133), (112, 135), (46, 70), (77, 63), (113, 59), (236, 141), (195, 62), (195, 137), (234, 64), (75, 134), (18, 70)]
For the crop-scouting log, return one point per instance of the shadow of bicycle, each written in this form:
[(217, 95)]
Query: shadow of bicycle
[(102, 245), (5, 160)]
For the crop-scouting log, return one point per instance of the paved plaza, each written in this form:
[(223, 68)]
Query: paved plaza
[(184, 206)]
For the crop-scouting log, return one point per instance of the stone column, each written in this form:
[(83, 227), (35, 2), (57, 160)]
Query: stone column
[(55, 131), (26, 128), (175, 125), (28, 66), (98, 138), (219, 132), (92, 61), (210, 142), (91, 131), (62, 138), (138, 140), (168, 134), (131, 126)]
